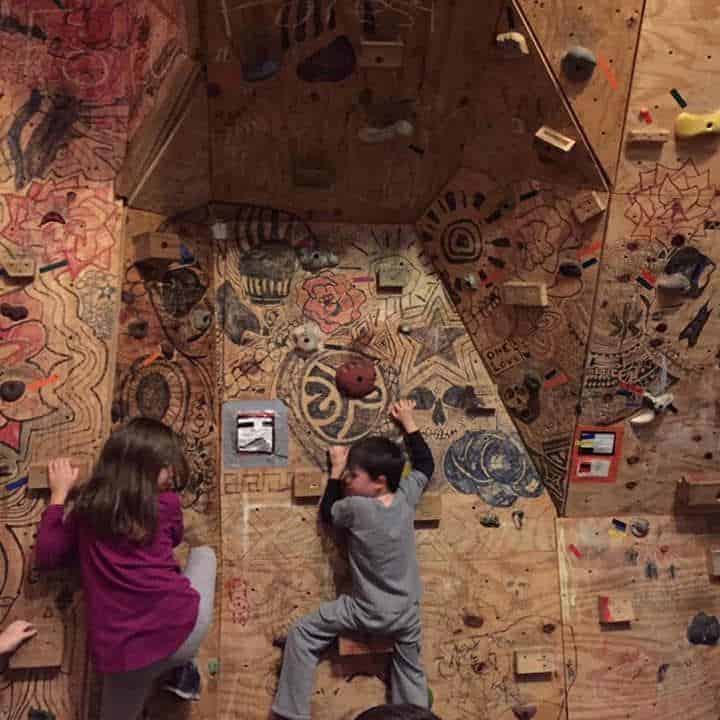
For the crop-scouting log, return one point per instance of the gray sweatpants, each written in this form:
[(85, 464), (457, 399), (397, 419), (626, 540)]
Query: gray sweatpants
[(124, 694), (314, 633)]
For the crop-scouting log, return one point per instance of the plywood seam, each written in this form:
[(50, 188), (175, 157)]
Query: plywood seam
[(621, 144), (563, 97)]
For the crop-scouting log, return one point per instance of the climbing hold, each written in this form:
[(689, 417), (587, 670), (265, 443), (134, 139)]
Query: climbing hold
[(14, 312), (548, 628), (473, 621), (639, 527), (512, 43), (491, 520), (356, 378), (200, 319), (690, 125), (405, 328), (471, 282), (12, 390), (644, 417), (138, 329), (318, 259), (570, 268), (579, 63), (390, 132), (213, 667), (677, 282), (431, 697), (651, 570), (524, 712), (260, 71), (517, 518), (307, 339), (127, 297), (703, 630), (117, 412), (662, 671), (332, 63), (34, 714), (52, 216)]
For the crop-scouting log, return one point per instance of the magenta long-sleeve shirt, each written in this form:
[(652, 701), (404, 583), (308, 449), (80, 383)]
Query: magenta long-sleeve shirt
[(140, 608)]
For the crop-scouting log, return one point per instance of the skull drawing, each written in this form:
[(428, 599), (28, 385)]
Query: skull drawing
[(445, 404)]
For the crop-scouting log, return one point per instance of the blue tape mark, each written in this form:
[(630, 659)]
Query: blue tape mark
[(15, 484)]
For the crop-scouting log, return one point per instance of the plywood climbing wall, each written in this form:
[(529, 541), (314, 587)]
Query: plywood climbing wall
[(646, 668), (63, 121), (662, 223), (278, 563), (482, 235)]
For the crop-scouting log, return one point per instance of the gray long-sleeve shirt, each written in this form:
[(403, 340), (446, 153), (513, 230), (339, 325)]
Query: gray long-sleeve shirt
[(383, 559)]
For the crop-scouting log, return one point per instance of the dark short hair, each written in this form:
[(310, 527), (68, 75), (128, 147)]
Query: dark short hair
[(378, 456), (397, 712)]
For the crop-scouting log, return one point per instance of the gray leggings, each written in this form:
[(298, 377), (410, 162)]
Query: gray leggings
[(124, 694)]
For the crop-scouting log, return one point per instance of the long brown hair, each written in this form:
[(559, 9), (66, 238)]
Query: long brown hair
[(119, 500)]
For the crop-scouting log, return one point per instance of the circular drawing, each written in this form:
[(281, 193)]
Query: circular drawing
[(158, 390), (319, 414), (492, 465)]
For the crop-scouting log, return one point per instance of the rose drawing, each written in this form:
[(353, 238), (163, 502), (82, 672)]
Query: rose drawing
[(332, 301)]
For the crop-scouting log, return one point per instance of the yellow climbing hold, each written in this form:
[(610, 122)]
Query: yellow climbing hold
[(689, 125)]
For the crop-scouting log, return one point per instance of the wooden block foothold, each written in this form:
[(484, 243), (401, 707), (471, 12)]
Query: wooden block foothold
[(649, 136), (553, 140), (364, 644), (700, 492), (512, 43), (19, 267), (429, 509), (714, 556), (392, 277), (612, 609), (588, 206), (45, 650), (381, 54), (38, 475), (157, 246), (534, 662), (308, 483), (526, 294)]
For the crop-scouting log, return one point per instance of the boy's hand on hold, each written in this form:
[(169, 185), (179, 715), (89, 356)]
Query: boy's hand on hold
[(14, 635), (402, 412), (62, 477), (338, 460)]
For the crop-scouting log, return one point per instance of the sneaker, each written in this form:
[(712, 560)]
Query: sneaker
[(184, 681)]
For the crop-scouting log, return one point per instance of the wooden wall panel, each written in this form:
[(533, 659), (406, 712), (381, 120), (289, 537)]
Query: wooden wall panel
[(165, 370), (648, 669), (662, 223), (492, 233), (278, 563), (610, 30)]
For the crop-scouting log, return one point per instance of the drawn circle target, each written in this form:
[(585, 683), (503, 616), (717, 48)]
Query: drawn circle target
[(158, 390), (320, 412), (462, 241), (492, 465)]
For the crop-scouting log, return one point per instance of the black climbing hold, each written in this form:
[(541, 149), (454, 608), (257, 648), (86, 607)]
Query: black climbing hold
[(662, 671), (138, 329), (127, 297), (14, 312), (34, 714), (548, 628), (473, 621), (639, 527), (703, 630), (570, 268), (117, 412), (333, 63), (167, 350), (579, 64), (12, 390)]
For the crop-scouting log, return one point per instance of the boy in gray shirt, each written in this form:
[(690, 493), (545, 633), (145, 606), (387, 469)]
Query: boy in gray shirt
[(378, 511)]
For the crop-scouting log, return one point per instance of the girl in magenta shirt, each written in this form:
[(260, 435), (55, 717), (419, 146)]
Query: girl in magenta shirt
[(144, 616)]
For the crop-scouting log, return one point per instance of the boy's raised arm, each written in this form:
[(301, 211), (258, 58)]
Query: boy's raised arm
[(333, 489)]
